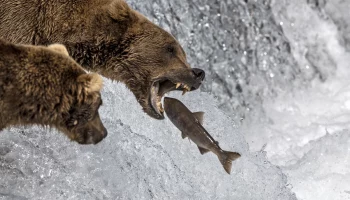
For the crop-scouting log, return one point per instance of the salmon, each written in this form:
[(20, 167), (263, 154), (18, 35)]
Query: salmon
[(190, 125)]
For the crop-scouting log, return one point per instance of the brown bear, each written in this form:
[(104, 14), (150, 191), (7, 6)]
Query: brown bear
[(108, 37), (42, 85)]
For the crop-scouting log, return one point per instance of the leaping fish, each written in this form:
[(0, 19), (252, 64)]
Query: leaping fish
[(190, 124)]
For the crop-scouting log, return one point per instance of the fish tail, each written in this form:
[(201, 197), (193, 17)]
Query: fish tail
[(226, 158)]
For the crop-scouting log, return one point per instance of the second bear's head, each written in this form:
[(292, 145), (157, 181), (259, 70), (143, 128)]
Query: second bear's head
[(82, 122)]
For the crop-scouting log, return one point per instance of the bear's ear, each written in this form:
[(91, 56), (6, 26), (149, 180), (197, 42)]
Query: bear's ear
[(60, 48), (91, 82), (119, 10)]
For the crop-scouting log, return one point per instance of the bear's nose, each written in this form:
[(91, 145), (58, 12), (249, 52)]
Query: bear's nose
[(200, 74), (105, 133)]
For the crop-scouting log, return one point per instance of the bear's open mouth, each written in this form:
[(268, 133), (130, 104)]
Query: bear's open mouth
[(159, 88)]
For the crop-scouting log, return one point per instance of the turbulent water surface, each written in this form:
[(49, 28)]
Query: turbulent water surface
[(277, 91)]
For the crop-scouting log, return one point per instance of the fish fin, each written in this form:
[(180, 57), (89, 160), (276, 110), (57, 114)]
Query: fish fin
[(226, 158), (199, 116), (183, 135), (202, 150)]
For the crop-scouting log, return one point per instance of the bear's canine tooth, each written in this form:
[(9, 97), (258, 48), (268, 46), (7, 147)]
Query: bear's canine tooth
[(178, 85), (186, 88), (161, 109), (184, 91)]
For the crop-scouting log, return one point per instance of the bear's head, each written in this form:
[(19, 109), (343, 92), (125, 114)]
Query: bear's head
[(154, 60), (123, 45), (158, 65), (83, 123)]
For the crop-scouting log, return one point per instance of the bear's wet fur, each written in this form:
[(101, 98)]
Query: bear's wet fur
[(107, 37)]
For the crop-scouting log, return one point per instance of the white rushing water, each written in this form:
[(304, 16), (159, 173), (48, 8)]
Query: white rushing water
[(277, 91), (281, 68), (306, 133), (140, 159), (306, 130)]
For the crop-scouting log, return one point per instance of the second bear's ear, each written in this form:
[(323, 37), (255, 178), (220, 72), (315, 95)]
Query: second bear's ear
[(60, 48), (119, 10), (91, 82)]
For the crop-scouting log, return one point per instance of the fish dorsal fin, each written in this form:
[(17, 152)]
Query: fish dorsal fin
[(199, 116), (202, 150), (183, 135)]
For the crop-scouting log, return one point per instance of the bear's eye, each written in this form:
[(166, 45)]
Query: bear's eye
[(171, 49)]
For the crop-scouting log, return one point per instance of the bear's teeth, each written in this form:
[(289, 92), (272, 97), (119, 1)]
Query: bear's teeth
[(186, 88), (154, 95), (184, 91), (160, 107), (178, 85)]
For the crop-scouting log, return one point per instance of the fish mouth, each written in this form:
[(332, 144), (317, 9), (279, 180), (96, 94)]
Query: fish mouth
[(162, 86)]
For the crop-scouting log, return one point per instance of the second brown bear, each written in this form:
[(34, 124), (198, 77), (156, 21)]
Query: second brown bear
[(42, 85)]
